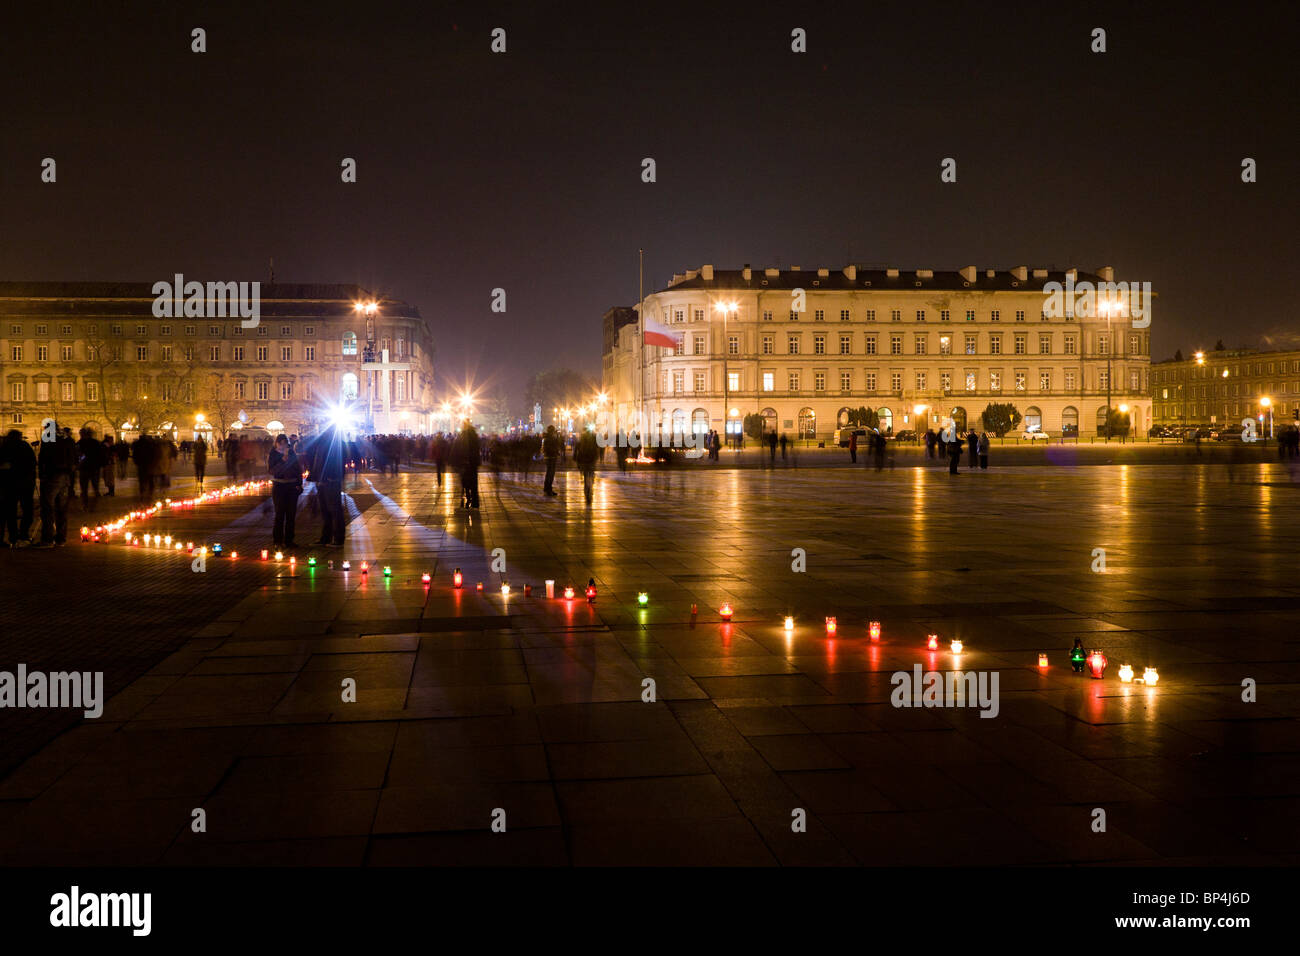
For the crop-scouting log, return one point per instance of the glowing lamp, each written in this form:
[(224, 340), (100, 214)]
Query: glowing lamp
[(178, 547), (128, 536), (789, 623), (956, 646), (1126, 673), (550, 587), (505, 589), (726, 611), (1077, 656), (1097, 665), (85, 532), (932, 642), (279, 555), (167, 540), (293, 560), (1042, 660), (216, 548), (347, 565), (479, 586), (424, 578), (831, 626), (1150, 676), (591, 590), (365, 567), (873, 629), (694, 610), (189, 546), (388, 572), (135, 543), (568, 592), (311, 561), (457, 579), (234, 555)]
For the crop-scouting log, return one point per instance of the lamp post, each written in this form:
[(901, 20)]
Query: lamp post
[(1266, 403)]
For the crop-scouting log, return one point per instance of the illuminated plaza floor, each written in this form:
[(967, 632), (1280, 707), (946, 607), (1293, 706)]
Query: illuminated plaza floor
[(472, 707)]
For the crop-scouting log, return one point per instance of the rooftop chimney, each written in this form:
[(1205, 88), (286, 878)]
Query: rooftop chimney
[(1040, 273), (1021, 272), (892, 273), (925, 273), (968, 273), (771, 273), (1107, 274), (747, 272), (823, 273), (851, 273), (706, 273)]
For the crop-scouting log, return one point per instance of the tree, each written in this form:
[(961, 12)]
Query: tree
[(1218, 346), (862, 417), (558, 388), (1001, 417), (217, 401), (1178, 355), (1118, 423), (754, 425)]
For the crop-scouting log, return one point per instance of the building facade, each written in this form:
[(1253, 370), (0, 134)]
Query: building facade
[(802, 348), (1226, 386), (96, 354)]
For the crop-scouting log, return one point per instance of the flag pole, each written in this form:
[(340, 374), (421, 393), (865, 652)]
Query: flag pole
[(640, 291)]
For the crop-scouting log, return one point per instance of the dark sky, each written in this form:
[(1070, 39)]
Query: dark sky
[(522, 170)]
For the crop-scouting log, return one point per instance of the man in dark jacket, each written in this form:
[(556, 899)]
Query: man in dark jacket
[(466, 452), (325, 458), (57, 464), (585, 453), (200, 461), (90, 460), (286, 486), (954, 452), (17, 488), (551, 452)]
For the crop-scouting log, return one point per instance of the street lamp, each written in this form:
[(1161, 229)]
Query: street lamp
[(1266, 403)]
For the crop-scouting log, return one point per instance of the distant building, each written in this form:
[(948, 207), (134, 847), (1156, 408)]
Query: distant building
[(1226, 386), (915, 346), (94, 353)]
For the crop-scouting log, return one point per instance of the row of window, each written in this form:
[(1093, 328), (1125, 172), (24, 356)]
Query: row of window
[(1201, 411), (1179, 375), (1230, 389), (846, 315), (921, 380), (166, 353), (920, 344), (168, 391), (117, 330)]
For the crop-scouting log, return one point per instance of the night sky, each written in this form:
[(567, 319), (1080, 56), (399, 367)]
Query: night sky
[(522, 170)]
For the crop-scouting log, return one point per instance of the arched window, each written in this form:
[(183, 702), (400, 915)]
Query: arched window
[(1070, 422), (769, 419), (807, 423), (1033, 419), (699, 421), (349, 343), (679, 423), (350, 386), (886, 418), (1101, 419), (959, 419)]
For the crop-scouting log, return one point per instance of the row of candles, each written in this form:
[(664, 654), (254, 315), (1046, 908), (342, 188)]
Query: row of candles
[(108, 529)]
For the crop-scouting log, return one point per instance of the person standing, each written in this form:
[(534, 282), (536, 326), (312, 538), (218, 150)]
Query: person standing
[(785, 443), (231, 450), (324, 458), (108, 455), (954, 453), (467, 452), (984, 451), (89, 464), (853, 447), (200, 460), (286, 485), (57, 463), (551, 452), (974, 442), (585, 452), (17, 488), (771, 446)]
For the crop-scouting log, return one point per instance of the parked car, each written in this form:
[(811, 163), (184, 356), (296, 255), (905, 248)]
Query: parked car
[(905, 435), (1227, 433), (1034, 434), (1193, 433)]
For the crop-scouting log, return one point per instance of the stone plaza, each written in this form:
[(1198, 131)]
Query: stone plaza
[(502, 729)]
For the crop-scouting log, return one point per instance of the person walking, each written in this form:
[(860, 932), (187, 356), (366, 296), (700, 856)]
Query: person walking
[(785, 443), (89, 463), (286, 485), (141, 454), (108, 454), (954, 453), (853, 448), (771, 446), (56, 464), (984, 451), (324, 459), (551, 452), (200, 451), (585, 452), (467, 453), (231, 452)]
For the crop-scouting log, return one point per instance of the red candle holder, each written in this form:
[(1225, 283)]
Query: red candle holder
[(457, 579), (725, 611), (1096, 664), (873, 629), (831, 626), (932, 642)]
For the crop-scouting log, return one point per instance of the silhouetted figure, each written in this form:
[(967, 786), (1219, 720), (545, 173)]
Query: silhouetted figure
[(585, 453), (954, 454), (200, 461), (466, 452), (17, 489), (56, 463), (286, 485), (551, 452), (324, 457), (984, 451)]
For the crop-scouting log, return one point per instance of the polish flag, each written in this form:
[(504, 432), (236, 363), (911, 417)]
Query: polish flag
[(658, 334)]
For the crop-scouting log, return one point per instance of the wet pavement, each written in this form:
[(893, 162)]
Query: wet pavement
[(761, 745)]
